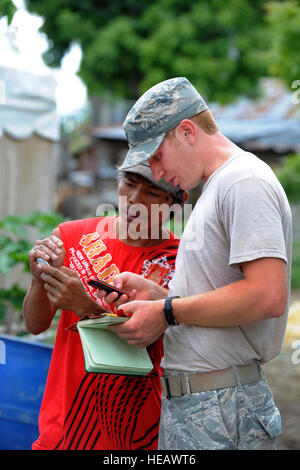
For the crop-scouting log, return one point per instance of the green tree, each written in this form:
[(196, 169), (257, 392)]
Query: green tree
[(15, 243), (131, 45), (289, 176), (283, 19), (7, 8)]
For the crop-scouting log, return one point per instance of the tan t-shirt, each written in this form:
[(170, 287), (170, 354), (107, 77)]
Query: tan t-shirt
[(242, 215)]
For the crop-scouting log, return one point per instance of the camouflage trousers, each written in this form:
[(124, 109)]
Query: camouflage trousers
[(242, 417)]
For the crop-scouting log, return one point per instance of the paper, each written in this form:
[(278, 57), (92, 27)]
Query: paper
[(102, 322)]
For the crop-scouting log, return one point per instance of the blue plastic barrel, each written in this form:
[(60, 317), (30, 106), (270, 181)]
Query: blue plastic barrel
[(24, 367)]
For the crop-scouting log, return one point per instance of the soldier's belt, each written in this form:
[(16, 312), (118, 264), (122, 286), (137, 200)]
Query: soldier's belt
[(179, 385)]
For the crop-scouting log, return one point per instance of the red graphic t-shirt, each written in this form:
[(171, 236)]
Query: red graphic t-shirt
[(101, 411)]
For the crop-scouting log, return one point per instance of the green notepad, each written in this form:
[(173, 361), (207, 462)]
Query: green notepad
[(105, 352)]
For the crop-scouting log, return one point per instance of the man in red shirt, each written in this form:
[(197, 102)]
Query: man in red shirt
[(99, 411)]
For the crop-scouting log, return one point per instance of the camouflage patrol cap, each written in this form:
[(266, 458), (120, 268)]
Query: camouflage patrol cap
[(144, 170), (156, 112)]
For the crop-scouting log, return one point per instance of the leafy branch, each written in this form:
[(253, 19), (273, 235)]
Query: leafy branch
[(16, 234), (289, 176)]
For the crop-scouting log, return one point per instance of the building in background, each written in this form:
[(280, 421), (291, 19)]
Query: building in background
[(269, 127)]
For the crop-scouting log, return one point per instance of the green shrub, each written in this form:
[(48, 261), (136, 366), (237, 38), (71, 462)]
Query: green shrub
[(289, 176), (296, 265), (15, 243)]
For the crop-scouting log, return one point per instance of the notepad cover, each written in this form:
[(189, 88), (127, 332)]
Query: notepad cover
[(105, 352)]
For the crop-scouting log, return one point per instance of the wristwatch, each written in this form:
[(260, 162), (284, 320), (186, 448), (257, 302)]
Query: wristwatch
[(168, 310)]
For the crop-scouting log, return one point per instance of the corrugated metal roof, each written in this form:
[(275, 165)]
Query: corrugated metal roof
[(269, 123)]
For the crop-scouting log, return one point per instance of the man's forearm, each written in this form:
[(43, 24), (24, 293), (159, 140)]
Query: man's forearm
[(37, 309), (260, 295), (232, 305), (157, 292)]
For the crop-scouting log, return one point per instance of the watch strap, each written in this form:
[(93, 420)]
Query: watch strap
[(168, 310)]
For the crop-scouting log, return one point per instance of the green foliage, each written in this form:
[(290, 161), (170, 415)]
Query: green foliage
[(223, 48), (283, 20), (15, 243), (296, 265), (113, 55), (289, 176), (15, 237), (7, 8), (11, 297), (129, 46)]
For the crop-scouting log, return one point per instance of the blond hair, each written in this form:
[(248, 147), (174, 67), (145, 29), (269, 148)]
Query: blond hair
[(204, 120)]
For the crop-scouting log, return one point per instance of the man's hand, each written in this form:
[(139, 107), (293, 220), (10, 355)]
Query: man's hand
[(37, 310), (66, 291), (51, 249), (146, 324), (137, 286)]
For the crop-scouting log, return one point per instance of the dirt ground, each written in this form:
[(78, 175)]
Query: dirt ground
[(283, 375)]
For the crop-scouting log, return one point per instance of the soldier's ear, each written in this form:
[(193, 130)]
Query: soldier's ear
[(186, 131)]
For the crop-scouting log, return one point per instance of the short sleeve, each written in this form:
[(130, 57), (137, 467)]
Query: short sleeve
[(252, 219)]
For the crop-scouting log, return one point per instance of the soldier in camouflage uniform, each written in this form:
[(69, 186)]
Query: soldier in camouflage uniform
[(226, 310)]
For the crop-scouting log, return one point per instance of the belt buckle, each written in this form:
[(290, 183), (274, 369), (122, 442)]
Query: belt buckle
[(168, 391)]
